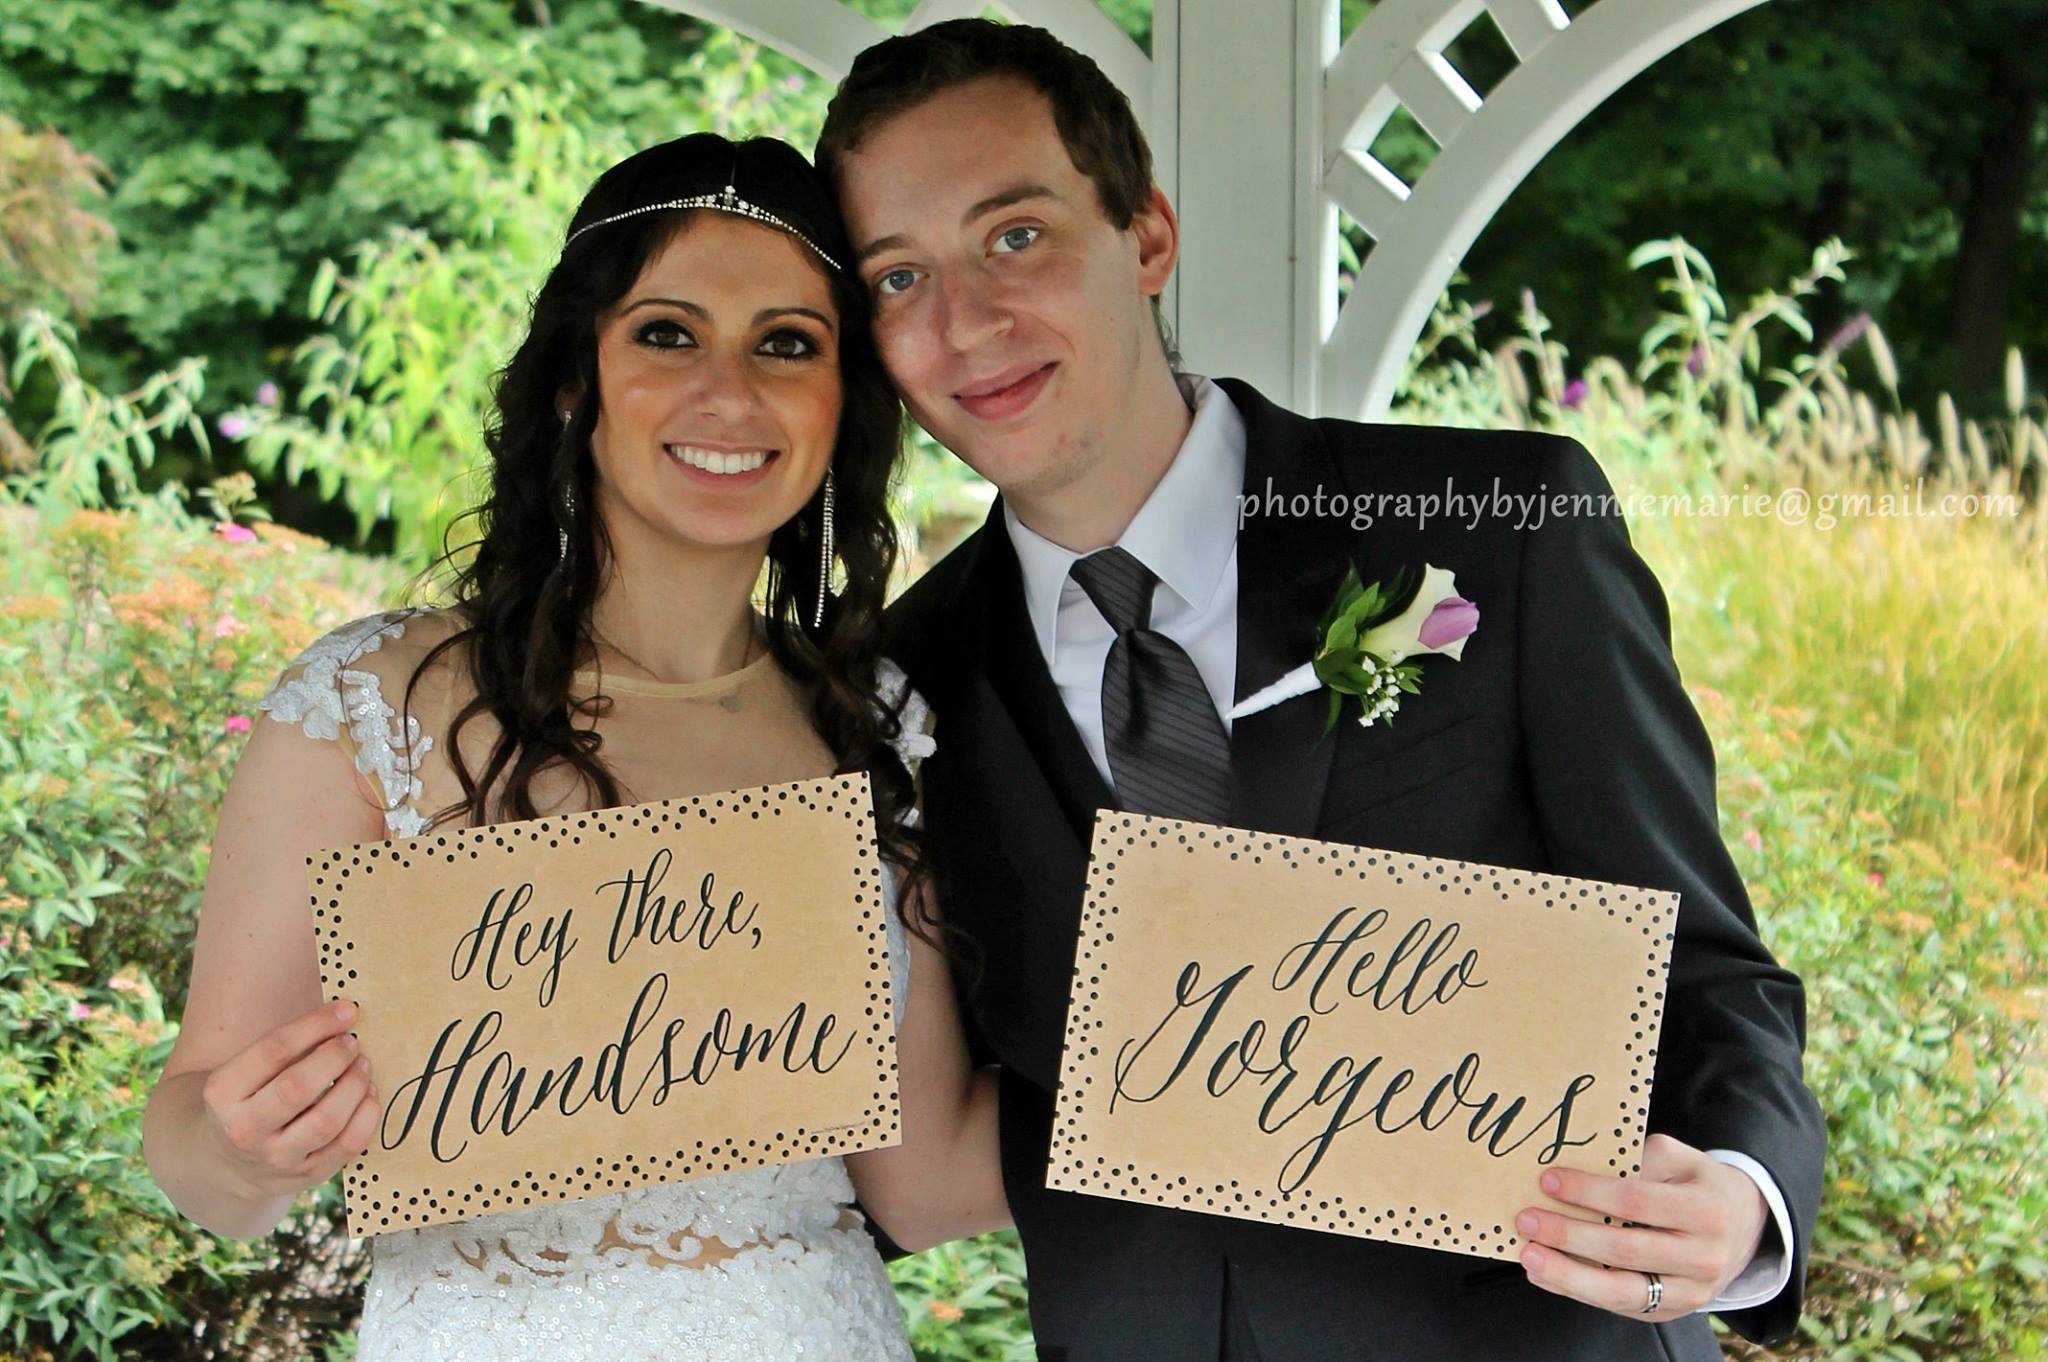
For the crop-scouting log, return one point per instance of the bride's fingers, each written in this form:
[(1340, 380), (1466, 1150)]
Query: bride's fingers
[(319, 1124), (257, 1066), (350, 1144), (296, 1090)]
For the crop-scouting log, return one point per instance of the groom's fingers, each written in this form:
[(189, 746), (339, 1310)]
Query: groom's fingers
[(1669, 1205), (1622, 1292), (1615, 1246)]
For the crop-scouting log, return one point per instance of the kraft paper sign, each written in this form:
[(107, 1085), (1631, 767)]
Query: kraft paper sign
[(570, 1006), (1351, 1040)]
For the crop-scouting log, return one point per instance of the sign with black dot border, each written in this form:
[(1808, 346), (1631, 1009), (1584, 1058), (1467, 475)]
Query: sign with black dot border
[(568, 1007), (1352, 1040)]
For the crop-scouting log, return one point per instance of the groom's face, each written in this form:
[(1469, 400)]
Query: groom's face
[(1012, 315)]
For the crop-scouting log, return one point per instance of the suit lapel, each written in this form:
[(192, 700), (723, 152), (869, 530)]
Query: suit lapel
[(1036, 792), (1019, 675), (1289, 566)]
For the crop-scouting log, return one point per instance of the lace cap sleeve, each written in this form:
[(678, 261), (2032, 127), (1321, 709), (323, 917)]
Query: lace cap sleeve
[(327, 696), (913, 743)]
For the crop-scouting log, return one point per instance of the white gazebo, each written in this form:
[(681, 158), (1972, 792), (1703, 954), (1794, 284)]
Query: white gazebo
[(1261, 123)]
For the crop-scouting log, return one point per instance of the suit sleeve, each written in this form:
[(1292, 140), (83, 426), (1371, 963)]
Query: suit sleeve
[(1622, 774)]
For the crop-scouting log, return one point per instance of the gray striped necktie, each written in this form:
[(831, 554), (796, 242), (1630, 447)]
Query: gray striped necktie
[(1168, 753)]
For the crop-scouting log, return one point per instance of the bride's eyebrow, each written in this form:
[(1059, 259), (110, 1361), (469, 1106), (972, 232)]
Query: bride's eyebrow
[(680, 304), (701, 313)]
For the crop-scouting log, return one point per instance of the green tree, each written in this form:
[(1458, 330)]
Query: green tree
[(247, 140)]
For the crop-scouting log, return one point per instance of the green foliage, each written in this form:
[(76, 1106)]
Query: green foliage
[(249, 140), (1923, 968), (94, 445), (49, 239), (133, 642), (964, 1302), (89, 1249)]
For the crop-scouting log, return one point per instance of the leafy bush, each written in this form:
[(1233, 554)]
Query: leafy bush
[(964, 1302), (133, 642)]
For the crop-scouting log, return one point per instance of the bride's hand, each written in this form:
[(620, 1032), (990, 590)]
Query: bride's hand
[(287, 1112)]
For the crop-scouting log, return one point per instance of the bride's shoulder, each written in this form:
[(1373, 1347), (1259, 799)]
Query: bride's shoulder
[(382, 642), (370, 656)]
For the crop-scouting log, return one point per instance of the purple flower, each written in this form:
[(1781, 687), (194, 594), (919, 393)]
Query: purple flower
[(233, 427), (79, 1012), (266, 395), (1696, 362), (1849, 334), (235, 534), (1574, 394), (1454, 618), (236, 723)]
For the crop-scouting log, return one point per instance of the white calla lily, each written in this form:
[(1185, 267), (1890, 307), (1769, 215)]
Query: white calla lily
[(1401, 636)]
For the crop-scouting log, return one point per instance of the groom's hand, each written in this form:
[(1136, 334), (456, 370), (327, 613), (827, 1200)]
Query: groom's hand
[(1692, 1220)]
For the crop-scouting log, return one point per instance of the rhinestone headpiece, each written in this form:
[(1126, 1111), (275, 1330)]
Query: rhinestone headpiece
[(728, 201)]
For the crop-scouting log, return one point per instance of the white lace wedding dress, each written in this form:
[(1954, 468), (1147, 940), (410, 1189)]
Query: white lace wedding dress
[(768, 1264)]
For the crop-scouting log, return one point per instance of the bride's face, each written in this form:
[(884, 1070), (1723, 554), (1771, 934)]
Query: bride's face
[(719, 390)]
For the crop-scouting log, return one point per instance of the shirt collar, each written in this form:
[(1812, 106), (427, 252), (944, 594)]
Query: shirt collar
[(1184, 532)]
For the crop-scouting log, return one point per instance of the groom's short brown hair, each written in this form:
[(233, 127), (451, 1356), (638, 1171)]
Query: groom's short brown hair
[(1094, 118)]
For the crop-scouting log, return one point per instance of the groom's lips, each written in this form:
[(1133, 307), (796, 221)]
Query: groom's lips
[(1006, 394)]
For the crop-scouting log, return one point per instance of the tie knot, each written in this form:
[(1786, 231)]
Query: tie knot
[(1120, 586)]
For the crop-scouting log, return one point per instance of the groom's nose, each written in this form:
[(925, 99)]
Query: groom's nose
[(970, 311)]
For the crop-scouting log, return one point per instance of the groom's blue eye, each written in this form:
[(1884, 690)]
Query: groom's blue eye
[(895, 281), (1016, 239)]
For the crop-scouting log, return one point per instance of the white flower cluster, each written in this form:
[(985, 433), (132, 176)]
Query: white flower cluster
[(1385, 695)]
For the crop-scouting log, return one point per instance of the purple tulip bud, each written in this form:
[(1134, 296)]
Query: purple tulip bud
[(1574, 394), (233, 427), (1454, 618), (266, 395), (1696, 362)]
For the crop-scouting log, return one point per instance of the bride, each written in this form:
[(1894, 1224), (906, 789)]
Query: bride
[(697, 393)]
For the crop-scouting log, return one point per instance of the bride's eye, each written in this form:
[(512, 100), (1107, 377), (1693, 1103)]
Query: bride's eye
[(1016, 239), (788, 343), (663, 334)]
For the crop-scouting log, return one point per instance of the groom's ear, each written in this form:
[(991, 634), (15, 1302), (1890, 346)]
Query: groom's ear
[(1157, 230)]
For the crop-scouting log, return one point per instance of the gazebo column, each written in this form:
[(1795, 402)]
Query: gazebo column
[(1240, 102)]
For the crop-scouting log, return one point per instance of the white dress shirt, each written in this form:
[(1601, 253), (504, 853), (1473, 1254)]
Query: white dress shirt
[(1186, 533)]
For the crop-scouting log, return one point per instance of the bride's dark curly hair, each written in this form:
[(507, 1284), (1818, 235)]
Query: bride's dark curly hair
[(524, 607)]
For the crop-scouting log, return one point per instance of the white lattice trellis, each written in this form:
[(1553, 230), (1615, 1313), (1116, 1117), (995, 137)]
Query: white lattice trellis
[(1262, 123)]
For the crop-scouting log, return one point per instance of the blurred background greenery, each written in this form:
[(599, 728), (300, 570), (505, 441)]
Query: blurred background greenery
[(260, 257)]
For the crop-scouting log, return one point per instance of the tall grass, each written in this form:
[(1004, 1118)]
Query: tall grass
[(1909, 594)]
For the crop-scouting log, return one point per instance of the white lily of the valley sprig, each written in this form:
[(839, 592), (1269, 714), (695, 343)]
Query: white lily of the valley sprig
[(1367, 656)]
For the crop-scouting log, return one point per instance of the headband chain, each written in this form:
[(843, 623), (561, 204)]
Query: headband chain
[(727, 202)]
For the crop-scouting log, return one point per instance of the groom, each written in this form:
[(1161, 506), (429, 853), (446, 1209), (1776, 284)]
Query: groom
[(1001, 207)]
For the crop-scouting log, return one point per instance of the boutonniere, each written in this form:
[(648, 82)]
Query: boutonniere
[(1366, 649)]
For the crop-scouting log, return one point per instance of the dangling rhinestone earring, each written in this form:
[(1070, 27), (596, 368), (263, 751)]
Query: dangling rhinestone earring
[(824, 555), (568, 505)]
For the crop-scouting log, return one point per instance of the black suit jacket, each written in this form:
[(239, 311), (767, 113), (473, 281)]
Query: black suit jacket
[(1562, 743)]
